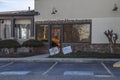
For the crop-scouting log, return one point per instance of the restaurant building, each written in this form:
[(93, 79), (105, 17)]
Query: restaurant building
[(77, 23), (17, 25)]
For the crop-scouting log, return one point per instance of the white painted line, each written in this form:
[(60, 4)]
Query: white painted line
[(107, 69), (6, 64), (79, 73), (50, 68), (103, 76), (14, 73)]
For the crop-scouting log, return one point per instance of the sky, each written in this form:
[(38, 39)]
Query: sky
[(12, 5)]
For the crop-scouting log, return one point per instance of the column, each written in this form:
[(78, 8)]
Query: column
[(1, 28), (12, 27), (32, 27)]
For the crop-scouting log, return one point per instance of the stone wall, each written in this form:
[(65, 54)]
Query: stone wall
[(43, 49), (102, 48)]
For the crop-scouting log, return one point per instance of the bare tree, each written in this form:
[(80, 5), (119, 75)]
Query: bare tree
[(112, 38)]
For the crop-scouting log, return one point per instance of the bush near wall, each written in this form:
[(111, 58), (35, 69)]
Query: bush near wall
[(33, 44), (8, 45), (86, 55)]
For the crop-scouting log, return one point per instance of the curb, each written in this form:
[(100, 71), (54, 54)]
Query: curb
[(117, 64), (54, 59)]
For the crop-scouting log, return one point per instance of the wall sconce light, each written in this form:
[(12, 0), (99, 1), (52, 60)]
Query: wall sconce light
[(115, 8), (1, 21), (54, 11)]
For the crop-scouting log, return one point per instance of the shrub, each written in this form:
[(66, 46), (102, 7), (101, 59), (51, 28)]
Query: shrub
[(32, 43), (9, 44), (86, 55)]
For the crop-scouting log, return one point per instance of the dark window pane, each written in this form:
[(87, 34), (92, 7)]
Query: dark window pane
[(77, 33), (42, 32), (67, 33)]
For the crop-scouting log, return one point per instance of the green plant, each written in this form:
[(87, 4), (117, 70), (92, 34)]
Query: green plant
[(86, 55), (18, 55), (9, 44), (112, 38), (32, 43)]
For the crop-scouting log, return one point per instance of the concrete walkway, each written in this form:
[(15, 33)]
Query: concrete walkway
[(44, 58)]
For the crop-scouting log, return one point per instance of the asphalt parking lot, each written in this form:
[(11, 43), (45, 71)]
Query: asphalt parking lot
[(59, 71)]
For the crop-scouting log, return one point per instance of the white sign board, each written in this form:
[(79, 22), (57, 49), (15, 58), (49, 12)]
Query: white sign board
[(67, 50), (54, 51)]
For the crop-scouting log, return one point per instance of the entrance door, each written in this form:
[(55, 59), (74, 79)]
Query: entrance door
[(56, 36)]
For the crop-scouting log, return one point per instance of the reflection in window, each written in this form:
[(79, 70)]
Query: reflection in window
[(7, 31), (42, 32), (22, 31), (77, 33)]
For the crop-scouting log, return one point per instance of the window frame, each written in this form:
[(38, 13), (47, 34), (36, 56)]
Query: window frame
[(65, 22), (71, 33), (18, 35), (39, 25)]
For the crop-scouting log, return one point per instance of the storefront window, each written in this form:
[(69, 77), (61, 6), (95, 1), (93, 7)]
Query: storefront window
[(42, 32), (7, 31), (77, 33), (22, 31)]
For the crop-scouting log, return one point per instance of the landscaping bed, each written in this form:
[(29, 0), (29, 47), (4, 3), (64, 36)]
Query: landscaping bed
[(18, 55), (86, 55), (8, 48)]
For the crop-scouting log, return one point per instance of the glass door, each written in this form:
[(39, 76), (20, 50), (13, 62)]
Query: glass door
[(56, 36)]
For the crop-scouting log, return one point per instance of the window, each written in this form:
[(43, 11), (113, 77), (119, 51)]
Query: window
[(42, 32), (77, 33), (22, 31), (7, 31)]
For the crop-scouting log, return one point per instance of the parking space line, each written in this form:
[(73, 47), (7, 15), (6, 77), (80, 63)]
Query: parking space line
[(103, 76), (50, 68), (6, 65), (107, 69)]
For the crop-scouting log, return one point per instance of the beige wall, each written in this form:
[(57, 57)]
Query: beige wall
[(76, 9), (7, 21), (99, 11), (18, 21), (23, 21), (99, 25)]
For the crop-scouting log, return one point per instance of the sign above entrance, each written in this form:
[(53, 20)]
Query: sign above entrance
[(54, 51), (67, 50)]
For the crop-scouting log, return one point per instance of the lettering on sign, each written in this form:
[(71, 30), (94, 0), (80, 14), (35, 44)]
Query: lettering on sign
[(54, 51), (67, 50)]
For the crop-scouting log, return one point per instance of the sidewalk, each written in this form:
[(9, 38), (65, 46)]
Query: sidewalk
[(44, 58)]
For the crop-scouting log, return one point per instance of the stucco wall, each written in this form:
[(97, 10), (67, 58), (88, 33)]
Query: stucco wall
[(99, 25), (99, 11), (18, 21), (23, 21), (7, 21), (76, 9)]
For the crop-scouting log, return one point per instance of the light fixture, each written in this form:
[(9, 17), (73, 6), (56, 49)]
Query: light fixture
[(2, 21), (54, 10), (115, 8)]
